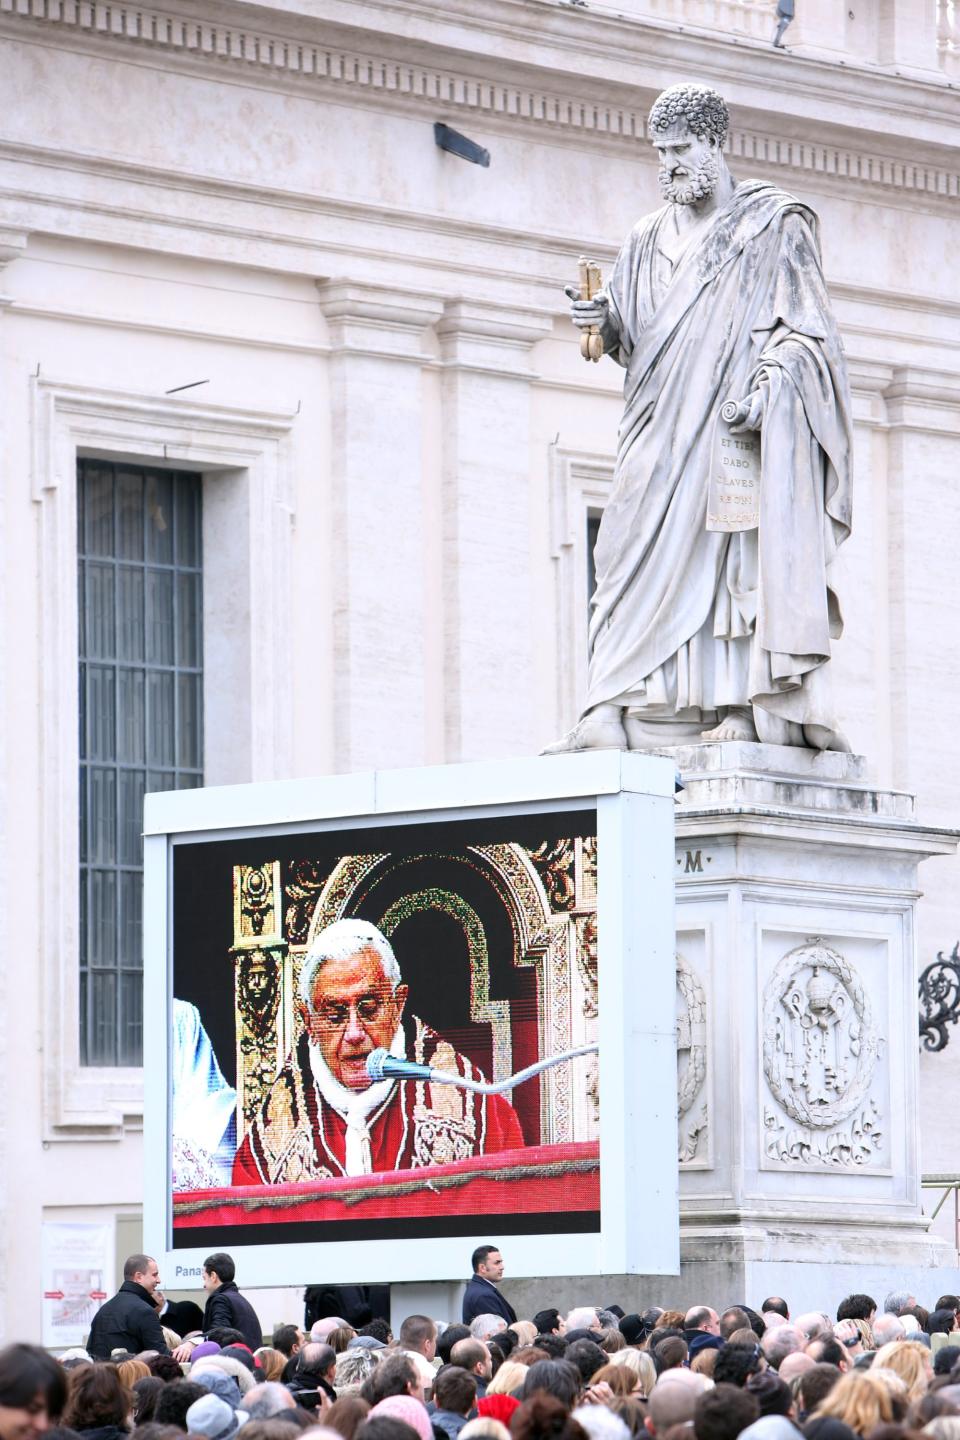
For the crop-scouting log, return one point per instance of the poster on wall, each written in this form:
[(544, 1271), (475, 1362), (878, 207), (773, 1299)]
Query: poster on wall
[(76, 1263)]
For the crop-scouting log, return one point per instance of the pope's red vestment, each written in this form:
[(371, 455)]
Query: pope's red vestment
[(298, 1136)]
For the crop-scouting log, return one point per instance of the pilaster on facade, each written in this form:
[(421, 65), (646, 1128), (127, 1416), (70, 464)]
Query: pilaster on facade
[(489, 616), (378, 337)]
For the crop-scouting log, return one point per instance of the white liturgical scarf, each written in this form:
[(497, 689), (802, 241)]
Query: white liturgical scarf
[(354, 1106)]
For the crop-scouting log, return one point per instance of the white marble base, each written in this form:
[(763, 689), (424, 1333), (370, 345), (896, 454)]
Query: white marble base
[(796, 890), (799, 1170)]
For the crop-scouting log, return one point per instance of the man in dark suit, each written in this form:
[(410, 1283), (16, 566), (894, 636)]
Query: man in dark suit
[(481, 1296), (225, 1305), (129, 1321)]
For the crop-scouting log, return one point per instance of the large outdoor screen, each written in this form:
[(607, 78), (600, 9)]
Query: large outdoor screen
[(399, 1014), (464, 946)]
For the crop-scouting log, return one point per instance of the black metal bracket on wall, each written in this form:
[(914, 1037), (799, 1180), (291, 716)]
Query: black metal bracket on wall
[(939, 988)]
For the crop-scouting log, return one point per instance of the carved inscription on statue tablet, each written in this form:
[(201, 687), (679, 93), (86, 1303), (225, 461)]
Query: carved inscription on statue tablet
[(733, 497)]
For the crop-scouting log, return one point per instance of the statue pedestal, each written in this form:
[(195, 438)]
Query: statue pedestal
[(796, 890), (796, 887)]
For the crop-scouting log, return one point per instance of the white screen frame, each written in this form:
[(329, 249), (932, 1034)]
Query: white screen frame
[(639, 1197)]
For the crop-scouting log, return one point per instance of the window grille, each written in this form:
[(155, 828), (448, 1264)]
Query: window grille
[(141, 718)]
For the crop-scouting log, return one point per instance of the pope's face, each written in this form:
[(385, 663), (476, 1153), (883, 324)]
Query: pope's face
[(688, 165), (353, 1012)]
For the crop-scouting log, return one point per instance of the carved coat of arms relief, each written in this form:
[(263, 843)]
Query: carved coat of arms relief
[(821, 1049)]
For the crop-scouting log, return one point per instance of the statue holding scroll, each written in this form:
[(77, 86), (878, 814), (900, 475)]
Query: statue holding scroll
[(714, 613)]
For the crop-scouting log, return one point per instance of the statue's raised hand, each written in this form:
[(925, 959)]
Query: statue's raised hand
[(585, 313)]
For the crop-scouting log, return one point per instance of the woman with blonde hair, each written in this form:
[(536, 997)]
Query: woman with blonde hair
[(911, 1361), (866, 1334), (508, 1378), (861, 1400), (640, 1363)]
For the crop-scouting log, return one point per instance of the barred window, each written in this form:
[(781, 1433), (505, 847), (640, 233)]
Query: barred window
[(141, 718)]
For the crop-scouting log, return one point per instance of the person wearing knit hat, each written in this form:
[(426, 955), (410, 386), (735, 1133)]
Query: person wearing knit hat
[(206, 1347), (498, 1407), (218, 1383), (213, 1418), (412, 1412)]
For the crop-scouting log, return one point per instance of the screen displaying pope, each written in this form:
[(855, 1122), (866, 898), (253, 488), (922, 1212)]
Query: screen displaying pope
[(323, 1116)]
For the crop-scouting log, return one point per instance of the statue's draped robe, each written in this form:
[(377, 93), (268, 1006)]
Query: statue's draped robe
[(297, 1136), (686, 621)]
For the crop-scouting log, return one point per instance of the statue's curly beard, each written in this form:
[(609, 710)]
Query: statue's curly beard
[(695, 186)]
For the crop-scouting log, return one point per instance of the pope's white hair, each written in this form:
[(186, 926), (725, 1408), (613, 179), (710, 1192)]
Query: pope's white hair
[(338, 942)]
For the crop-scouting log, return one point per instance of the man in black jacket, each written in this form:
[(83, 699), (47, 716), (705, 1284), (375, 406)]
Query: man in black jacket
[(314, 1375), (129, 1321), (225, 1305), (481, 1296)]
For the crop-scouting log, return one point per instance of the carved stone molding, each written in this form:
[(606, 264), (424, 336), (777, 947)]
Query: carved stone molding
[(294, 61), (491, 337), (13, 243), (821, 1048), (369, 319)]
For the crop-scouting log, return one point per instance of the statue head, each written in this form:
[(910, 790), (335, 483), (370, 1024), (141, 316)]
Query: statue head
[(688, 125)]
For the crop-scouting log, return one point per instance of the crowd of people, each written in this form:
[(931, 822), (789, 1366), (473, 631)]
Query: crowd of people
[(594, 1373)]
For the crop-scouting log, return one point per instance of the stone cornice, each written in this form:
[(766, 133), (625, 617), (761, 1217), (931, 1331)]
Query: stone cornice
[(574, 82)]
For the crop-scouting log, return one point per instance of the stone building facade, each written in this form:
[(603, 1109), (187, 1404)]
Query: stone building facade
[(232, 251)]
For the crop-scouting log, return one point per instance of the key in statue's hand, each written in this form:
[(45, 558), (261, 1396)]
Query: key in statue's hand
[(585, 313)]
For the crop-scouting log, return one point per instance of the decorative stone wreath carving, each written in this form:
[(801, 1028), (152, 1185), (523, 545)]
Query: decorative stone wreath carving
[(820, 1052)]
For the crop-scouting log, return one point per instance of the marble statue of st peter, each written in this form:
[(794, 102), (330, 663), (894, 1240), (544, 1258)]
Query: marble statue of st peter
[(696, 632)]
